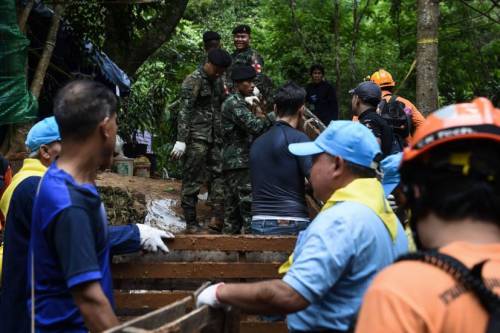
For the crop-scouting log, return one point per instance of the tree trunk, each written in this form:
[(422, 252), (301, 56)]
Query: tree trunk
[(130, 50), (24, 15), (427, 55), (305, 45), (41, 69), (357, 16), (336, 33), (354, 36)]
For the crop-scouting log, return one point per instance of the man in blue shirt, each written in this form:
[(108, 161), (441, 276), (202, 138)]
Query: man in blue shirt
[(43, 141), (336, 257), (70, 243), (278, 177)]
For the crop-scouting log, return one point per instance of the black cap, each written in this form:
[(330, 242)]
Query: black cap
[(210, 35), (368, 91), (243, 73), (219, 57), (242, 29)]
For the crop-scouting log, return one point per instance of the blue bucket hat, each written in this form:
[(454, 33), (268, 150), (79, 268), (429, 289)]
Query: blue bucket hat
[(350, 140), (42, 133), (390, 168)]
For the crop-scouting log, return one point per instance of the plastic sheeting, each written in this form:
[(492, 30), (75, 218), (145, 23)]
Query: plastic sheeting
[(17, 104), (110, 70)]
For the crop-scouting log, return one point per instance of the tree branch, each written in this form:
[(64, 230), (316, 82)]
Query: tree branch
[(41, 69), (480, 12), (24, 15), (299, 31), (130, 50)]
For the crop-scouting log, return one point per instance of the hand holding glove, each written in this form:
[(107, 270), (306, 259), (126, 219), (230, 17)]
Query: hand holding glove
[(151, 238), (209, 297), (178, 150), (251, 100), (256, 91)]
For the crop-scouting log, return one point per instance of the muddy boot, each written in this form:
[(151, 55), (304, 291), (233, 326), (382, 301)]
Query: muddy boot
[(194, 229), (192, 226), (215, 225)]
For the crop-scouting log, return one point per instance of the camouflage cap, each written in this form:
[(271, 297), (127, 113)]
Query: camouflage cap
[(242, 29), (243, 73), (219, 57)]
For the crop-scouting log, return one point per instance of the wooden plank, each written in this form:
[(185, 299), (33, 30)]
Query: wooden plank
[(156, 318), (263, 327), (191, 322), (134, 330), (150, 300), (195, 270), (242, 243), (232, 317)]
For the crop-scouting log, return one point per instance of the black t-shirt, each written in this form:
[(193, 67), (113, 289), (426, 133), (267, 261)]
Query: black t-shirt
[(371, 119), (323, 99), (277, 175)]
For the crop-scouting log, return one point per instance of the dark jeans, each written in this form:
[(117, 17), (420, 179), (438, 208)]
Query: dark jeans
[(278, 227), (328, 331)]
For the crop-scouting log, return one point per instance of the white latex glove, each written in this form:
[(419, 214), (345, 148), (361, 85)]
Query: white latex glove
[(256, 91), (151, 238), (119, 146), (178, 150), (209, 297), (251, 100)]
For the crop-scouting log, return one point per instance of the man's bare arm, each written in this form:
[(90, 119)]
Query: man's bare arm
[(94, 306), (267, 297)]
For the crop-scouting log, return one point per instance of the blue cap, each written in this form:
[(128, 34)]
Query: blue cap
[(390, 168), (350, 140), (42, 133)]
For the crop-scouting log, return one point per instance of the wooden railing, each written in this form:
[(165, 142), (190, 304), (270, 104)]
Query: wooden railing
[(149, 283), (177, 317)]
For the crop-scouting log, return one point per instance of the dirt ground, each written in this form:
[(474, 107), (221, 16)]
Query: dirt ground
[(126, 198)]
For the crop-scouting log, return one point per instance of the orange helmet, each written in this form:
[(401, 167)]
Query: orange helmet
[(383, 78), (476, 120)]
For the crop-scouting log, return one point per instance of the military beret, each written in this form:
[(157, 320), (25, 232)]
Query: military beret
[(219, 57), (243, 73), (210, 35), (242, 29)]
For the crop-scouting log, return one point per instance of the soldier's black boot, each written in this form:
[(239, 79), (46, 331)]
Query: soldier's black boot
[(217, 220), (192, 226)]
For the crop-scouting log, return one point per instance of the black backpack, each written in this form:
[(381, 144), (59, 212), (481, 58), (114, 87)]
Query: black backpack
[(393, 112), (470, 279)]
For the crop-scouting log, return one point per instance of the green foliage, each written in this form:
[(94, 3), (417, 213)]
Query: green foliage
[(468, 51)]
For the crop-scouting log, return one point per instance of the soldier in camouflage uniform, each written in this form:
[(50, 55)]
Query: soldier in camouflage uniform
[(239, 127), (199, 136), (211, 40), (245, 55)]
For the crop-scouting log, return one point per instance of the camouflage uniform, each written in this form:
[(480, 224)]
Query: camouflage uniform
[(199, 126), (250, 57), (239, 125)]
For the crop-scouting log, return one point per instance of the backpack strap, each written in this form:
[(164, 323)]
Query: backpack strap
[(471, 279), (393, 98), (381, 106)]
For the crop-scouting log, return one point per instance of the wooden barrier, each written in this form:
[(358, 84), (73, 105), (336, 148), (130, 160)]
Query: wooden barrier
[(250, 258), (177, 318)]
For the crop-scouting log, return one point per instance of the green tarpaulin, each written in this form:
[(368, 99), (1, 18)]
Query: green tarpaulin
[(17, 104)]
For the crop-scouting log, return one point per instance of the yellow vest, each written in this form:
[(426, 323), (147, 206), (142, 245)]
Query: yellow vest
[(31, 167), (368, 192)]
